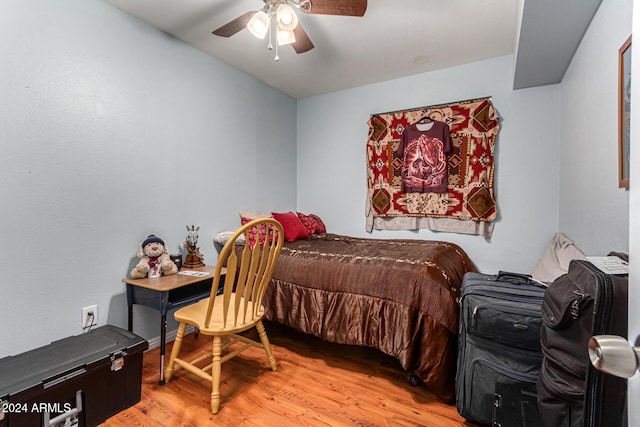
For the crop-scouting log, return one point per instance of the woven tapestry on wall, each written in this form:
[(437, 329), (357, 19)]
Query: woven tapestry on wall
[(473, 129)]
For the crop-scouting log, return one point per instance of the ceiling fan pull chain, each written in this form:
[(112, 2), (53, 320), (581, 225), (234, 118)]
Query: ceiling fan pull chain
[(274, 29)]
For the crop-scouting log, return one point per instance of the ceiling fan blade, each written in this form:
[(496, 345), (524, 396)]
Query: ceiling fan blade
[(334, 7), (302, 43), (232, 27)]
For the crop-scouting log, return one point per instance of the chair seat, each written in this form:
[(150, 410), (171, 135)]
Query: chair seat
[(195, 314)]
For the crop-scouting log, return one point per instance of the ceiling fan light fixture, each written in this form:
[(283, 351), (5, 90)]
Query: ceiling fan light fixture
[(285, 37), (305, 6), (286, 17), (258, 25)]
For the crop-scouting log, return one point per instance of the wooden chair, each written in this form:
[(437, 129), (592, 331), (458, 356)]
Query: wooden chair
[(239, 306)]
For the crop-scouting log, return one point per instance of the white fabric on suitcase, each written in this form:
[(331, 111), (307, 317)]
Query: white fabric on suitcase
[(556, 258)]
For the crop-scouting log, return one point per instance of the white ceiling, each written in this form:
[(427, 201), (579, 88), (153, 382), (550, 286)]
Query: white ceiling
[(394, 38)]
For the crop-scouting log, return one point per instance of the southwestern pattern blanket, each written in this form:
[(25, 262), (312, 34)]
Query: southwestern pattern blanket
[(470, 164)]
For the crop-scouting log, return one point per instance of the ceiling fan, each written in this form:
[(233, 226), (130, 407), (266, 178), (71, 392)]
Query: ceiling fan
[(287, 28)]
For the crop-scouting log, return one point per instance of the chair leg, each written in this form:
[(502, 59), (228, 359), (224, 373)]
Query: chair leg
[(215, 374), (174, 351), (265, 343)]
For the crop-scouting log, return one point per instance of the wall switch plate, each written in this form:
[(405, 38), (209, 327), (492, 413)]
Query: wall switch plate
[(89, 316)]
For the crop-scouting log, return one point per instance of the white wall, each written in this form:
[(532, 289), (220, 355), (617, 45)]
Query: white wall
[(332, 136), (111, 130), (594, 212)]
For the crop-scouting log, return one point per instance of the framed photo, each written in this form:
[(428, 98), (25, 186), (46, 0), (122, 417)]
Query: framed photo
[(624, 108)]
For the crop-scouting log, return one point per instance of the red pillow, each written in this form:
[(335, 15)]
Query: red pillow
[(312, 223), (292, 226), (253, 231), (320, 227), (308, 223)]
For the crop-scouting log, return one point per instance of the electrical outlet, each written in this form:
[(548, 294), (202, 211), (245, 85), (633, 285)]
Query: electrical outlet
[(89, 316)]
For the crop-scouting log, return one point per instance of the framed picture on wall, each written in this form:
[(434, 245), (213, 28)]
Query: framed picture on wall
[(624, 108)]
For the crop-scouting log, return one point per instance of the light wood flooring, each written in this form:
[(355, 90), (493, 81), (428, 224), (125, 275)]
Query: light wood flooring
[(316, 384)]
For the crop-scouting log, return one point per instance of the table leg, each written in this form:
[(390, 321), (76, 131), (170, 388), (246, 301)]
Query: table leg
[(163, 341), (130, 322)]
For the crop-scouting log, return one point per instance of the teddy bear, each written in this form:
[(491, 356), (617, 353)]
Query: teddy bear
[(154, 259)]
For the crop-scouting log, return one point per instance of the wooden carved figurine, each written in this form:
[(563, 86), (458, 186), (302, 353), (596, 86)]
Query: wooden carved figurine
[(194, 258)]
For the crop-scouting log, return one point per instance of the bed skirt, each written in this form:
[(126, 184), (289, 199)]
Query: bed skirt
[(423, 346)]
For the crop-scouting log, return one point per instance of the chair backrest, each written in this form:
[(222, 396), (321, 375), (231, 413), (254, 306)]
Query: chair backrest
[(249, 269)]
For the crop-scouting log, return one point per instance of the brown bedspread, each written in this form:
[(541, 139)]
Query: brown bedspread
[(399, 296)]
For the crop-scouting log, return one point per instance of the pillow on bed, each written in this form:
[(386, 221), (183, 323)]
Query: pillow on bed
[(320, 227), (293, 227), (312, 223), (248, 216), (222, 237), (253, 215), (308, 222), (253, 231)]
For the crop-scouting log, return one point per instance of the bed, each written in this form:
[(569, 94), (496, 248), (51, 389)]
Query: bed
[(398, 296)]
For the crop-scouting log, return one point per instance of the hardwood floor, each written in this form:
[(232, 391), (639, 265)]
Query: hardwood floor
[(316, 384)]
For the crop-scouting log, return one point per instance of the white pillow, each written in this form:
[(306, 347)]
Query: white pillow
[(222, 237), (253, 215), (556, 258)]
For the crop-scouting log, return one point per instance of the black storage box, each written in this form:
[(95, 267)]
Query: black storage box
[(77, 381)]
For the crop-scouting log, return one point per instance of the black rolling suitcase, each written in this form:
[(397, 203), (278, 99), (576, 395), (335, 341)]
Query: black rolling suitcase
[(516, 405), (499, 353), (77, 381), (571, 392)]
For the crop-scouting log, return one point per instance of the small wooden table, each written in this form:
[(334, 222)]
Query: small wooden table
[(167, 293)]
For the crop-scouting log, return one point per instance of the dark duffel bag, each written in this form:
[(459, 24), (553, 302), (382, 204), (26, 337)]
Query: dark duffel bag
[(571, 392)]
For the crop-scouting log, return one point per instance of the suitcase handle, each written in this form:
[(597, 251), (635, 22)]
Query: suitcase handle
[(520, 279), (49, 422)]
